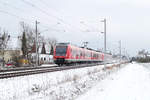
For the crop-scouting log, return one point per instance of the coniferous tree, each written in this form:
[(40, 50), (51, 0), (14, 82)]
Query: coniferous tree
[(52, 50), (43, 49), (24, 44)]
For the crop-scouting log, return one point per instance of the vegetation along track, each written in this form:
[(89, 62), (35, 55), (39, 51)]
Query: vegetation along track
[(37, 70)]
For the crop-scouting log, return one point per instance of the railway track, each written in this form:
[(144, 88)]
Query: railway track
[(25, 68), (37, 70)]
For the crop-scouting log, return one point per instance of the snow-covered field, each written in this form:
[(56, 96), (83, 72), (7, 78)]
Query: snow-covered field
[(62, 85), (130, 83)]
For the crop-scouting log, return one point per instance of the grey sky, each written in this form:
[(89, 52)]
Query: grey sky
[(127, 20)]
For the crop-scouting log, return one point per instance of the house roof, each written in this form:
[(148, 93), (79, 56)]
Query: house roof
[(44, 48), (47, 48)]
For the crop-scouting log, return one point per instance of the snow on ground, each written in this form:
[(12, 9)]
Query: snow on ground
[(130, 83), (47, 65), (61, 85)]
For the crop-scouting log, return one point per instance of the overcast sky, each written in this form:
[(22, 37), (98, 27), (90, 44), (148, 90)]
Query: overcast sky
[(77, 21)]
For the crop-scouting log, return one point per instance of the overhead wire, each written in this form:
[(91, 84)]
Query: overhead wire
[(11, 14), (7, 4), (93, 28), (51, 15), (42, 1), (43, 11), (34, 6), (16, 8)]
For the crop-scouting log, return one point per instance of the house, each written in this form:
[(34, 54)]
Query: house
[(12, 49), (44, 56)]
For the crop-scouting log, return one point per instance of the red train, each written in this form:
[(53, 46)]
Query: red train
[(65, 53)]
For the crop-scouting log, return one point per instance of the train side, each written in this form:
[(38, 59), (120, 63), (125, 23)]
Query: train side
[(66, 53)]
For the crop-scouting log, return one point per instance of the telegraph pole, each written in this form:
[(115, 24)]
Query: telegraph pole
[(104, 21), (120, 49), (36, 39), (105, 36)]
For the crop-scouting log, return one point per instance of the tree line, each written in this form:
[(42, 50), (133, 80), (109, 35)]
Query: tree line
[(28, 39)]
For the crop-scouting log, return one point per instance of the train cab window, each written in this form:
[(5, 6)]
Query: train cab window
[(44, 59), (61, 50)]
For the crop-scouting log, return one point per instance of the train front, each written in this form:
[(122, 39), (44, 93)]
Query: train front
[(60, 53)]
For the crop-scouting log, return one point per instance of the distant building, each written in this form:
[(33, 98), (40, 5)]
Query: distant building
[(10, 54), (12, 49), (44, 56)]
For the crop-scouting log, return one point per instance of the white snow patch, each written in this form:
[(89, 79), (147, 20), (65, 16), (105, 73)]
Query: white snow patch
[(61, 85), (47, 65), (130, 83)]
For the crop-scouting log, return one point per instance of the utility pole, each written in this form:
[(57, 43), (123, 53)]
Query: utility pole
[(104, 35), (104, 21), (120, 50), (36, 39)]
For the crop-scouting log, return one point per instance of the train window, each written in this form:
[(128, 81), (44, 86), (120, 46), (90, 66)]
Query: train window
[(61, 50), (81, 54), (88, 54), (44, 58), (73, 53), (96, 55)]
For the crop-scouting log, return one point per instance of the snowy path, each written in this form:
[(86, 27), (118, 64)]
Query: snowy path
[(130, 83)]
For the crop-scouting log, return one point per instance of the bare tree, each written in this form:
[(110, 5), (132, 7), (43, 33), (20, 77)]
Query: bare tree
[(51, 43), (30, 34), (4, 37)]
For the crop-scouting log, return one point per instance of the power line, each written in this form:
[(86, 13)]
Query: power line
[(58, 13), (93, 28), (34, 6), (43, 2), (16, 8), (43, 11), (11, 14), (50, 28), (7, 4)]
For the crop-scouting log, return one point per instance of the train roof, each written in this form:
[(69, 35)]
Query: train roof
[(67, 43), (62, 44)]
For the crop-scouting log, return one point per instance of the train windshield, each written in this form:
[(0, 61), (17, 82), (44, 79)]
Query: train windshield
[(61, 50)]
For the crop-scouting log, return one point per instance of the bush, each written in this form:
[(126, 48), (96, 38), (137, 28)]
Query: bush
[(143, 60)]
